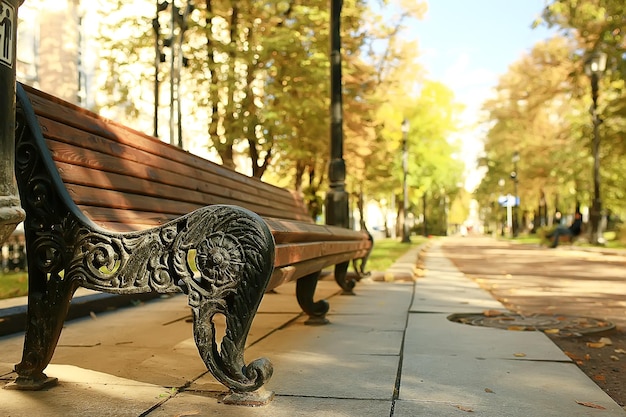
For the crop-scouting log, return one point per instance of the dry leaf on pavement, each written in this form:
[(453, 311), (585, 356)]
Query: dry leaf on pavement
[(591, 405), (466, 409), (492, 313), (606, 341)]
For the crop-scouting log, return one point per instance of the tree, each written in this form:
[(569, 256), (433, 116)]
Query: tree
[(598, 25), (535, 113)]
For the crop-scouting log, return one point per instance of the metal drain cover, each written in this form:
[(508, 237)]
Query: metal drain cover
[(557, 324)]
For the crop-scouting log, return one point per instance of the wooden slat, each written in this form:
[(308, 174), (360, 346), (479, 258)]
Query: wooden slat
[(147, 167), (283, 231), (293, 272), (70, 115), (289, 254), (92, 181)]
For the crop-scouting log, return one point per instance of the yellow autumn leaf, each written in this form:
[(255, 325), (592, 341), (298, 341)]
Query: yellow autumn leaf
[(595, 345), (519, 355), (552, 331)]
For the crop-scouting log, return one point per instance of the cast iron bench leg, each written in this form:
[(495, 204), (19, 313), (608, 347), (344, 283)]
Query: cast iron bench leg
[(341, 277), (222, 257), (305, 291), (48, 303)]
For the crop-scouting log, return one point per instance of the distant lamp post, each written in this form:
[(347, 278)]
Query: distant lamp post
[(405, 188), (501, 183), (594, 68), (515, 178), (172, 39)]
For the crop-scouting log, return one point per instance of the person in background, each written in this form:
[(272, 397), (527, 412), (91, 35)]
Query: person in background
[(572, 231)]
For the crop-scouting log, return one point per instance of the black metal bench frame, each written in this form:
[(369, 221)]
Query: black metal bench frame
[(221, 256)]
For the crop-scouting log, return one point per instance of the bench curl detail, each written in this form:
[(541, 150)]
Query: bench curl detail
[(220, 256)]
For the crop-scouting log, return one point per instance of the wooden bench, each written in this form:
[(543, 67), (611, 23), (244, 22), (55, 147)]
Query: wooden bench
[(114, 210)]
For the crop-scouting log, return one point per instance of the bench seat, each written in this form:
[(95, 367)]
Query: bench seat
[(104, 202)]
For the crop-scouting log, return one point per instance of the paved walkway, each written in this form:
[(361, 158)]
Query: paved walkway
[(390, 351)]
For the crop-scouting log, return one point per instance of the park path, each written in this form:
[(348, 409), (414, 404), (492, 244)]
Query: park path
[(532, 279)]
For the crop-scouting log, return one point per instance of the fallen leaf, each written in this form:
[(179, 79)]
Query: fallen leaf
[(188, 413), (487, 390), (620, 351), (492, 313), (467, 409), (587, 357), (591, 405), (517, 328), (519, 355), (614, 358), (572, 356), (601, 378), (552, 331), (606, 341), (595, 345)]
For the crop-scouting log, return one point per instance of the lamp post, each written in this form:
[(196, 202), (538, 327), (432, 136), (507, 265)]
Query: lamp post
[(11, 213), (501, 183), (173, 41), (336, 198), (514, 177), (594, 67), (405, 188)]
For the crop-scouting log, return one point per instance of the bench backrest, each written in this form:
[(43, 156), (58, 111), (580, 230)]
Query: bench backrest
[(125, 180)]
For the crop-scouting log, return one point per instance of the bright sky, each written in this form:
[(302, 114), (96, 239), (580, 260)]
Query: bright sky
[(468, 44)]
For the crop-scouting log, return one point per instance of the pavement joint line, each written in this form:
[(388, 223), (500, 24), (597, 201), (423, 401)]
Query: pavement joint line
[(396, 388)]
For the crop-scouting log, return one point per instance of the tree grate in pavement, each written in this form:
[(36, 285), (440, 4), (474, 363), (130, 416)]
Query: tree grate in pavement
[(557, 324)]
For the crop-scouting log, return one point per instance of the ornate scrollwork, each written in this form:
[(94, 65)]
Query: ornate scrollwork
[(234, 258)]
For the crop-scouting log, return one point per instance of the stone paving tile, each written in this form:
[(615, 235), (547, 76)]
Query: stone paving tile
[(326, 374), (447, 338), (83, 392), (498, 387), (368, 336), (405, 408), (455, 409), (453, 302), (186, 404), (374, 298)]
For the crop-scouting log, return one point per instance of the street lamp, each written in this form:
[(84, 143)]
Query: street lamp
[(11, 213), (594, 67), (174, 41), (405, 188), (514, 177)]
